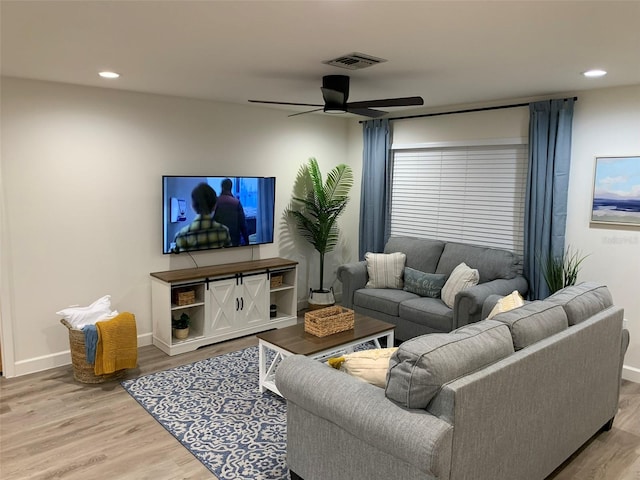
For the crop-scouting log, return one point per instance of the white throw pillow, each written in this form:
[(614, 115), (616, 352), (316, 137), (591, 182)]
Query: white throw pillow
[(368, 365), (462, 277), (385, 269), (509, 302), (99, 310)]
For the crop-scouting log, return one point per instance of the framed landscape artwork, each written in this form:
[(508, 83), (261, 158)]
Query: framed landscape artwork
[(616, 191)]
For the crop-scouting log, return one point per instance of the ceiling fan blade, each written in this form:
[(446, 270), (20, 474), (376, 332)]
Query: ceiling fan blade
[(388, 102), (367, 112), (302, 113), (333, 97), (287, 103)]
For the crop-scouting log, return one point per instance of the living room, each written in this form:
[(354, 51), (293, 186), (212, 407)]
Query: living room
[(93, 154), (81, 189)]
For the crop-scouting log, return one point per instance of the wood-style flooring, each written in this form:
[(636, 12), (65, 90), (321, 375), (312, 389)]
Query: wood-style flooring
[(52, 427)]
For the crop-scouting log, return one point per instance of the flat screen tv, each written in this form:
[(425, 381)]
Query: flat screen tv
[(203, 213)]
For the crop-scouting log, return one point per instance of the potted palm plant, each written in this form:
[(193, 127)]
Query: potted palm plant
[(315, 211)]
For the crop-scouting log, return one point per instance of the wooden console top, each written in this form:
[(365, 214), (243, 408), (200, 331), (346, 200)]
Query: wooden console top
[(186, 274)]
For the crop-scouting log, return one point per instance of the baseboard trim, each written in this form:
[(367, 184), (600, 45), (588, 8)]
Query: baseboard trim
[(60, 359), (631, 373)]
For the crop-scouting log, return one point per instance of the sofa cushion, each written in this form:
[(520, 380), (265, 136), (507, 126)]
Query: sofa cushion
[(506, 303), (582, 301), (461, 277), (533, 322), (423, 364), (491, 263), (422, 283), (422, 253), (371, 365), (385, 270), (427, 311), (384, 300)]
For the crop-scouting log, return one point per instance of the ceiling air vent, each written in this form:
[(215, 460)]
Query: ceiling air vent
[(355, 61)]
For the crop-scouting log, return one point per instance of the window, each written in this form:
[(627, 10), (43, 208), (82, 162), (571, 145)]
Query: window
[(471, 194)]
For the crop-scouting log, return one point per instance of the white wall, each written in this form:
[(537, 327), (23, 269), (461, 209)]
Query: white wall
[(606, 122), (487, 125), (81, 189)]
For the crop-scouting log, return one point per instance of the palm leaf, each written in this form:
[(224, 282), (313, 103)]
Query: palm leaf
[(339, 182)]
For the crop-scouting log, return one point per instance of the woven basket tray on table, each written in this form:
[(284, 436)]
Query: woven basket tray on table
[(82, 371), (329, 320)]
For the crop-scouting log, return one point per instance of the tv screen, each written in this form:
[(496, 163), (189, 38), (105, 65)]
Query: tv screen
[(203, 213)]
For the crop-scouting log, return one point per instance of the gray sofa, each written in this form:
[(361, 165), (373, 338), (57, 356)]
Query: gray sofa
[(414, 315), (542, 379)]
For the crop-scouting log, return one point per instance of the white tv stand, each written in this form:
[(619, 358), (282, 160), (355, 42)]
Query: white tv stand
[(231, 300)]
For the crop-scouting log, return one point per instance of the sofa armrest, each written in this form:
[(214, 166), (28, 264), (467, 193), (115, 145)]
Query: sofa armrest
[(361, 409), (624, 344), (353, 277), (467, 307)]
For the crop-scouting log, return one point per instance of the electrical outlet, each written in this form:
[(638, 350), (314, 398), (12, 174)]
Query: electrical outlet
[(625, 324)]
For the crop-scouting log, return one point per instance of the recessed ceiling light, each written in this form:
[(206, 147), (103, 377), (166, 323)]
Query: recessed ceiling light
[(109, 74), (594, 73)]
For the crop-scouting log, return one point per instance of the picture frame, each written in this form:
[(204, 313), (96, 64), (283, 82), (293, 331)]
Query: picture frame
[(616, 191)]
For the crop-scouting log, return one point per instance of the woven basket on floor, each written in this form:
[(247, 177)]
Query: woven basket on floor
[(82, 371), (327, 321)]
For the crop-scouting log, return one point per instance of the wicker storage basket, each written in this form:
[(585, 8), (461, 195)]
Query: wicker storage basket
[(82, 371), (327, 321), (184, 297), (276, 281)]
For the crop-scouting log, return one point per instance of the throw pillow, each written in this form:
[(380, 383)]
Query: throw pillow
[(509, 302), (422, 365), (368, 365), (78, 317), (423, 284), (461, 278), (385, 269)]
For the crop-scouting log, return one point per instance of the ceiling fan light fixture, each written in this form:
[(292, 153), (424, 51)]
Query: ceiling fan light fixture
[(334, 109)]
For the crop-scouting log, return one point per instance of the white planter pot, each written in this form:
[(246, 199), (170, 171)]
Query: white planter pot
[(321, 299)]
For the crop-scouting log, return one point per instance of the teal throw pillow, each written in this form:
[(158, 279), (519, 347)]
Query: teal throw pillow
[(423, 284)]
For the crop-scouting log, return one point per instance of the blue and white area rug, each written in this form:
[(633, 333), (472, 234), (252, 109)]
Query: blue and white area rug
[(213, 407)]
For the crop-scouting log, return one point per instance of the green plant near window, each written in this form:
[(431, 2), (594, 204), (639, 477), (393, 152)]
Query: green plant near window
[(319, 204), (562, 271), (182, 322)]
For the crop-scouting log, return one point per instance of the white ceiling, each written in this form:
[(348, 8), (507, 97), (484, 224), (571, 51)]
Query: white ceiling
[(449, 52)]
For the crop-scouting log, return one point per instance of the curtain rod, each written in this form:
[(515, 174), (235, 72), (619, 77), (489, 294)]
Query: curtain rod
[(469, 110)]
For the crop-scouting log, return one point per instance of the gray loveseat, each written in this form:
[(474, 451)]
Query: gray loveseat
[(414, 315), (540, 381)]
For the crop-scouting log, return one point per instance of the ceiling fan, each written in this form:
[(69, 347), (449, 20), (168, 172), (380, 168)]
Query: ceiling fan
[(335, 91)]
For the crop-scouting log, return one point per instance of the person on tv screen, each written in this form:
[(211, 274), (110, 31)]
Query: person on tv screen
[(229, 212), (203, 232)]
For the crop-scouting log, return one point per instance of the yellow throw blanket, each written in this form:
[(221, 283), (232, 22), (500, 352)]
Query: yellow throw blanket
[(117, 344)]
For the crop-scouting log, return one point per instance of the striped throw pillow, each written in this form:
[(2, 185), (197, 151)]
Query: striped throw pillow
[(385, 269), (462, 277)]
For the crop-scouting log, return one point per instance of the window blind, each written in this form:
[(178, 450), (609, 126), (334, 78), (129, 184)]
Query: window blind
[(472, 194)]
